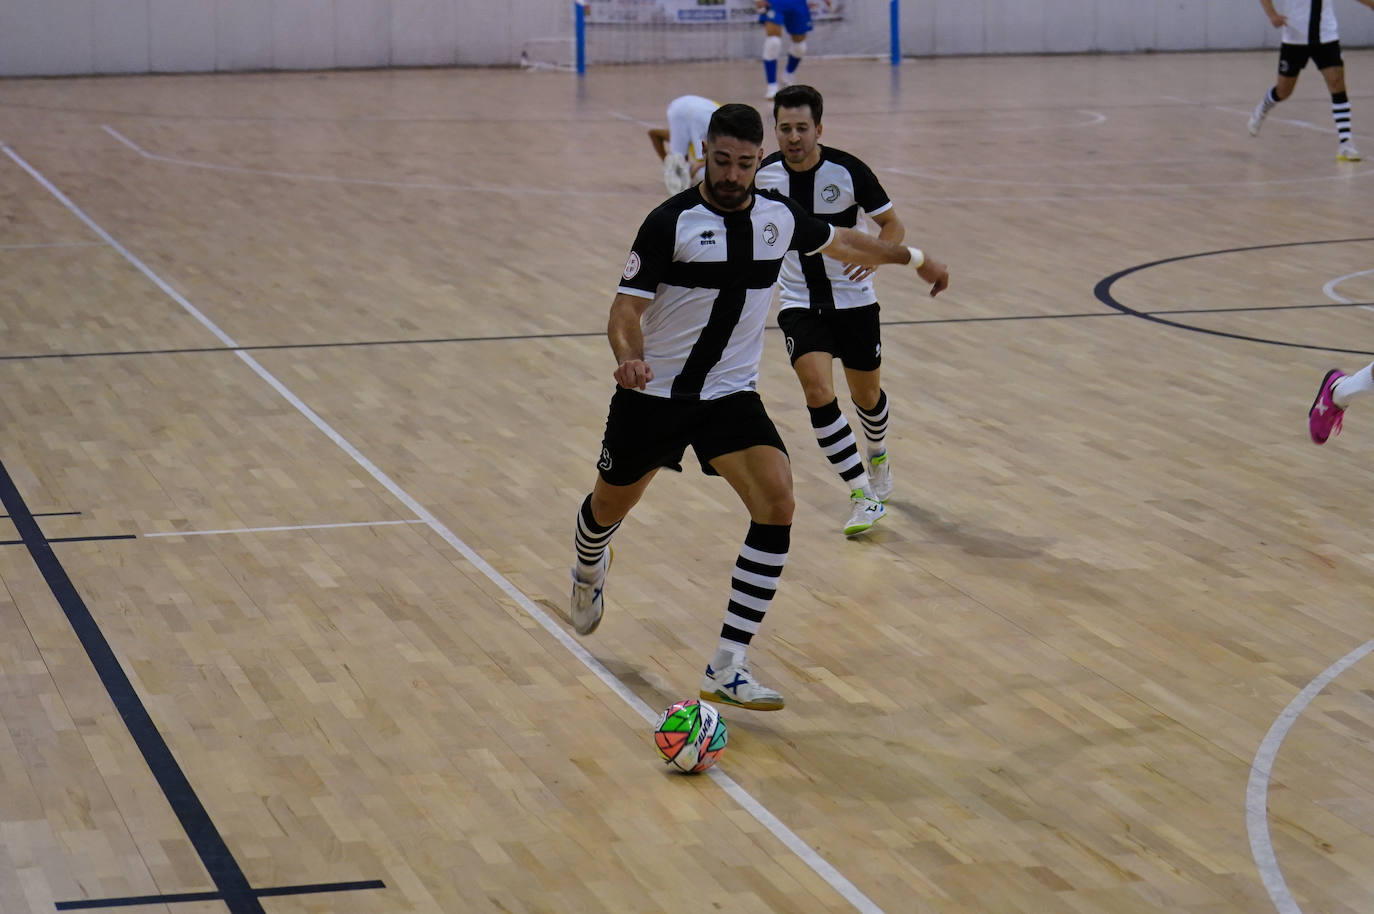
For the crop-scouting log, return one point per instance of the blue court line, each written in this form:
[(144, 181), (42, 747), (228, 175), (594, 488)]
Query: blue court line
[(219, 863), (215, 896)]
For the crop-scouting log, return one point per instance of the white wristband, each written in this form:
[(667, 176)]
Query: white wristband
[(918, 257)]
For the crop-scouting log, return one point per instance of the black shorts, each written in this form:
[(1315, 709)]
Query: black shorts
[(1293, 57), (849, 334), (645, 432)]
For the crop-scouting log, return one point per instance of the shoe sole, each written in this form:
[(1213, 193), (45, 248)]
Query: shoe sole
[(858, 531), (1316, 401), (721, 698)]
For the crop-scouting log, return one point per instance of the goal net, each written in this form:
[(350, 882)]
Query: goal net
[(663, 31)]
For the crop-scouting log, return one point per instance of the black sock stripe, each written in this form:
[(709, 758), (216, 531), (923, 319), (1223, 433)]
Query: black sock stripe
[(821, 416), (753, 567), (738, 635), (774, 538), (745, 613), (752, 590), (588, 519)]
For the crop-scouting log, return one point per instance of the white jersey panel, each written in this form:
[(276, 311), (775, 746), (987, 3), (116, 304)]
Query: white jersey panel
[(710, 275), (832, 191), (1299, 16)]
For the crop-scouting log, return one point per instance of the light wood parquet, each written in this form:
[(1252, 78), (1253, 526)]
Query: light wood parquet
[(1114, 558)]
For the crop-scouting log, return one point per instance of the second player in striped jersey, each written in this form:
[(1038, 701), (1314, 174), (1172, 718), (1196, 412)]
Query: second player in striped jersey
[(829, 308)]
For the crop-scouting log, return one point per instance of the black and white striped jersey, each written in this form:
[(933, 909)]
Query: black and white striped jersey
[(710, 274), (1309, 21), (835, 189)]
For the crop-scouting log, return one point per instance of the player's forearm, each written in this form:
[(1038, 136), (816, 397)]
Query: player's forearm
[(853, 246), (659, 137), (892, 230), (624, 331)]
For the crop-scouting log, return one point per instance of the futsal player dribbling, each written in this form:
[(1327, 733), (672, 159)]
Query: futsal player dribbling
[(686, 328)]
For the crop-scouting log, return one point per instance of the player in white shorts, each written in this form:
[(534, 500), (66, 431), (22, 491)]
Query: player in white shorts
[(682, 145)]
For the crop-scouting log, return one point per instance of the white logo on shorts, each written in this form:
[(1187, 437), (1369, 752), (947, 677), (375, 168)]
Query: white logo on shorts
[(631, 266), (605, 462), (790, 344)]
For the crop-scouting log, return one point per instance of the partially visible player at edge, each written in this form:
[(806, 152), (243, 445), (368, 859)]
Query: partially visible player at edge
[(1309, 33), (681, 145), (686, 328), (829, 308), (776, 15), (1334, 396)]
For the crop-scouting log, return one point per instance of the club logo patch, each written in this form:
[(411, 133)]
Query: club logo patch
[(770, 234), (830, 193), (631, 266)]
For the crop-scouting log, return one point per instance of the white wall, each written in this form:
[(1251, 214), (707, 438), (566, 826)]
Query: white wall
[(52, 37)]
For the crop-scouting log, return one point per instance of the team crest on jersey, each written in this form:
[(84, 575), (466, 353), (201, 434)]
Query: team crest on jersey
[(605, 462), (770, 234), (830, 193), (631, 266)]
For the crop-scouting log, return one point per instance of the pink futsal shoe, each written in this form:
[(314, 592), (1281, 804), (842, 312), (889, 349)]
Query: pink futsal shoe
[(1324, 418)]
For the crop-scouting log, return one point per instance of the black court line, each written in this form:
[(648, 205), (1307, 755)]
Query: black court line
[(231, 885), (1118, 311), (214, 854), (49, 514), (274, 346), (182, 897), (113, 353), (73, 539), (1103, 291)]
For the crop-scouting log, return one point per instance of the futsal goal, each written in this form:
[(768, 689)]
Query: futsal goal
[(599, 32)]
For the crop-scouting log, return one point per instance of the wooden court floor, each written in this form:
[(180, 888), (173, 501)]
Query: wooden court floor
[(302, 379)]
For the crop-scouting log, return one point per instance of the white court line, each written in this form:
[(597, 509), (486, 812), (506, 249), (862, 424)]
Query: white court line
[(517, 190), (1094, 118), (372, 523), (913, 173), (1257, 791), (1330, 288), (631, 119), (1270, 118), (818, 864)]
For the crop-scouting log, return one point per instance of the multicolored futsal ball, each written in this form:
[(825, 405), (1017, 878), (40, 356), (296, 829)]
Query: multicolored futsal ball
[(690, 735)]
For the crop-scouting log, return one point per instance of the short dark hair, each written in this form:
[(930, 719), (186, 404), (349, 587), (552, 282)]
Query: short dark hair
[(742, 122), (796, 97)]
